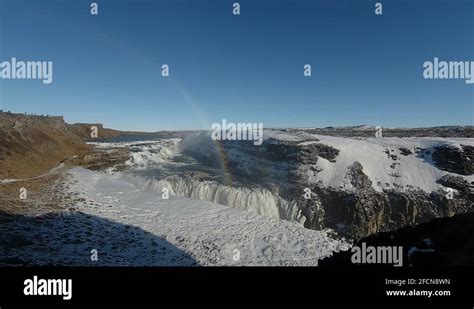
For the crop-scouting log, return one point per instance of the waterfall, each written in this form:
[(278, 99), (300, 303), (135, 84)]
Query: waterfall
[(151, 153), (258, 200)]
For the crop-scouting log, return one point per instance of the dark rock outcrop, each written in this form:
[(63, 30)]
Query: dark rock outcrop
[(368, 131), (405, 151), (285, 167), (455, 160), (364, 211), (457, 183), (442, 241)]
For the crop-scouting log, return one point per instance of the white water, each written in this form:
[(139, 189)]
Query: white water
[(148, 154), (152, 153), (145, 153), (210, 233), (258, 200)]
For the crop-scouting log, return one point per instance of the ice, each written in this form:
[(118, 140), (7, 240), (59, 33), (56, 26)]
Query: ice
[(413, 170), (211, 233), (258, 200)]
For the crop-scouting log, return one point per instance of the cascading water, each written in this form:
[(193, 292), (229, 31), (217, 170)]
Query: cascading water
[(259, 200), (143, 155), (155, 165)]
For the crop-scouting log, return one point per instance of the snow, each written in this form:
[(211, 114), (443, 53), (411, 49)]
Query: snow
[(258, 200), (151, 154), (144, 153), (412, 171), (127, 144), (195, 220), (211, 233)]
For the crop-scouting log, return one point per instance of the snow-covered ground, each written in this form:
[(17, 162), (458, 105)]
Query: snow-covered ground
[(258, 200), (249, 230), (210, 233), (412, 171)]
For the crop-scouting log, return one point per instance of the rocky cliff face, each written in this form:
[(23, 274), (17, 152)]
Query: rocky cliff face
[(364, 211), (368, 131), (17, 121), (360, 205), (442, 241), (455, 160), (32, 145)]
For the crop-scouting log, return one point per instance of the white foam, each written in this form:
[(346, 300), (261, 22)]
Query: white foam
[(210, 233)]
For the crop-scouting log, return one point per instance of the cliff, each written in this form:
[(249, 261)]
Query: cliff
[(31, 145)]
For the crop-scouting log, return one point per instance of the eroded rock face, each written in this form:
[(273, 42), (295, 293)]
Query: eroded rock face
[(405, 151), (356, 213), (288, 152), (364, 212), (457, 183), (100, 160), (442, 241), (284, 167), (368, 131), (308, 154), (273, 162), (455, 160)]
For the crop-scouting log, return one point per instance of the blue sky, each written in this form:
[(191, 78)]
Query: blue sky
[(366, 69)]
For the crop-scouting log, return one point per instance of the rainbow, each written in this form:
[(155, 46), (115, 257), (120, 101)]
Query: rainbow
[(223, 162), (187, 98)]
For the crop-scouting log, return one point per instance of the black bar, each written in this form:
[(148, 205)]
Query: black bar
[(239, 285)]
